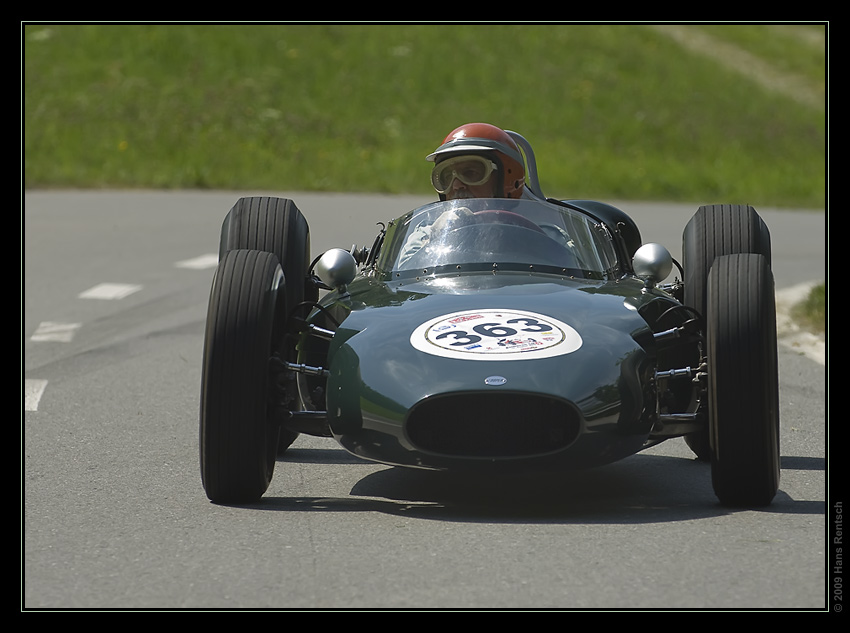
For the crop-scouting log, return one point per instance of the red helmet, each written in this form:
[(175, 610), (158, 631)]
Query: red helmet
[(475, 138)]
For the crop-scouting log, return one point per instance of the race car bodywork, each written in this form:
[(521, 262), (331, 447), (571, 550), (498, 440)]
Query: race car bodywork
[(492, 335)]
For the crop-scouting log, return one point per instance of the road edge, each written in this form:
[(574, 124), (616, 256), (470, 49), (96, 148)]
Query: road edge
[(789, 333)]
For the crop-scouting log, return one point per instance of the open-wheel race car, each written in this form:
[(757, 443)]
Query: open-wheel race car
[(492, 335)]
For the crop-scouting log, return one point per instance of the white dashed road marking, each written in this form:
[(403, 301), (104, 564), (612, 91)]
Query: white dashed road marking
[(58, 332), (199, 263), (109, 291), (54, 331)]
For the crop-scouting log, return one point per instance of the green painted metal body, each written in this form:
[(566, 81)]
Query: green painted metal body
[(379, 377)]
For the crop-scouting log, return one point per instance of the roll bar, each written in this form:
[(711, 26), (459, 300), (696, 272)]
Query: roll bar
[(531, 181)]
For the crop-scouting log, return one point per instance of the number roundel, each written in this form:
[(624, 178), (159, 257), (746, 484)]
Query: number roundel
[(494, 334)]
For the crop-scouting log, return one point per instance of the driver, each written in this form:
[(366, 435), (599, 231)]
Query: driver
[(477, 160)]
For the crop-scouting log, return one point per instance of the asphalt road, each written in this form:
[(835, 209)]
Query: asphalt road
[(114, 515)]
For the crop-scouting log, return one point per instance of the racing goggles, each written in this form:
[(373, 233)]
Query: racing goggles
[(470, 170)]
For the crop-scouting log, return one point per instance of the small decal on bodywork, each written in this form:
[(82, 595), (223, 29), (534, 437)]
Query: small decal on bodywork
[(494, 334)]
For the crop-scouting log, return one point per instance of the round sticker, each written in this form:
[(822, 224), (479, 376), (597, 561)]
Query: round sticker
[(494, 334)]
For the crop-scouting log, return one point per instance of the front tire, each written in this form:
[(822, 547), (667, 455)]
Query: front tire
[(743, 384), (238, 440)]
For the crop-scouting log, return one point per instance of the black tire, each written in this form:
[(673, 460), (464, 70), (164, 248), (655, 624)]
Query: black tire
[(743, 383), (713, 231), (238, 441), (275, 225)]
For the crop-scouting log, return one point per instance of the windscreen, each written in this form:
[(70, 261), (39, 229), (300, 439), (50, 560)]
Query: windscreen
[(509, 234)]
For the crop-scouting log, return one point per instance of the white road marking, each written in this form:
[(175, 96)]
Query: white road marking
[(53, 331), (32, 393), (199, 263), (109, 291)]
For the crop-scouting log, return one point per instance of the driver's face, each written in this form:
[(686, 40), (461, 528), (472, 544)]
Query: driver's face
[(459, 190)]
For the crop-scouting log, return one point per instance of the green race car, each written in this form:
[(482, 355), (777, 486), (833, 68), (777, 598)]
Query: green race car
[(492, 335)]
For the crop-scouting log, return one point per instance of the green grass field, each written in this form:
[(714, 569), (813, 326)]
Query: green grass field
[(714, 113)]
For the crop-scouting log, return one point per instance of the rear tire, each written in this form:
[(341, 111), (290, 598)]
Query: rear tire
[(715, 230), (238, 440), (743, 384)]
